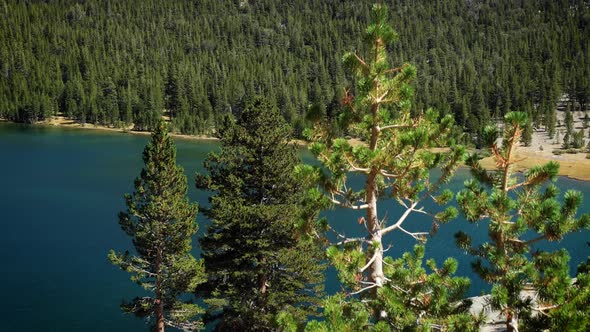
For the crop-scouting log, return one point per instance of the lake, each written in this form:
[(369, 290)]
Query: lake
[(60, 192)]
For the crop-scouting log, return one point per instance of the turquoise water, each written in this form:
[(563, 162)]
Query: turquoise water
[(60, 192)]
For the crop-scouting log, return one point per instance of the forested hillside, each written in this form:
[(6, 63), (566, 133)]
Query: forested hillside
[(120, 62)]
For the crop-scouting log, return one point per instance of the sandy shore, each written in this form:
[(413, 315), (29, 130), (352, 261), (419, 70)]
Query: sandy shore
[(576, 166), (60, 121)]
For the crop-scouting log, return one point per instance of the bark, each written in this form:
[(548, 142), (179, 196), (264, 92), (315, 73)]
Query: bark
[(377, 275), (262, 284), (511, 323), (159, 310)]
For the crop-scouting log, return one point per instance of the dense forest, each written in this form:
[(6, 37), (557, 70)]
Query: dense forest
[(121, 62)]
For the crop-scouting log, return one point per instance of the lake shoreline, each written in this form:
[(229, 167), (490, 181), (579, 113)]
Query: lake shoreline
[(63, 122), (574, 166)]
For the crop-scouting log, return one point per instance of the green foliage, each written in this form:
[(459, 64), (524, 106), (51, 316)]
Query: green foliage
[(527, 134), (259, 262), (397, 151), (570, 310), (578, 139), (476, 60), (419, 300), (341, 315), (517, 207), (161, 222)]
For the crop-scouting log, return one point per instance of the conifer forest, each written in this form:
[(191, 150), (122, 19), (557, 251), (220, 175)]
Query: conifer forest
[(124, 62), (391, 98)]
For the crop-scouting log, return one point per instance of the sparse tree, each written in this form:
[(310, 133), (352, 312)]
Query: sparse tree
[(516, 208), (578, 139), (527, 134), (395, 160)]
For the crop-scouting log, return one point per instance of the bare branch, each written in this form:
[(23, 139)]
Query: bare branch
[(416, 235), (399, 126), (348, 205), (350, 240), (529, 242), (399, 221), (543, 309), (421, 210), (138, 270), (399, 289), (388, 175), (363, 289), (370, 261), (347, 239), (361, 61), (393, 70), (354, 167)]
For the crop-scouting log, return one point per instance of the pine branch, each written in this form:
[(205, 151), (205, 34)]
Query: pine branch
[(354, 167), (420, 236), (348, 205), (373, 285), (369, 262), (398, 127), (399, 221), (361, 62)]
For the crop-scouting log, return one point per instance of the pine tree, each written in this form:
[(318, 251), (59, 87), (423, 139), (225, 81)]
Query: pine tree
[(257, 264), (527, 134), (569, 127), (395, 160), (516, 208), (578, 139), (161, 222), (566, 301)]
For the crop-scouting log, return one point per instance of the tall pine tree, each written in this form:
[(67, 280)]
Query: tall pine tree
[(520, 214), (395, 160), (257, 264), (161, 222)]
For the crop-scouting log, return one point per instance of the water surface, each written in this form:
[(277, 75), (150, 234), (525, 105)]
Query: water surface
[(60, 192)]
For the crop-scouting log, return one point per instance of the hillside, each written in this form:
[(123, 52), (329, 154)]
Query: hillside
[(120, 62)]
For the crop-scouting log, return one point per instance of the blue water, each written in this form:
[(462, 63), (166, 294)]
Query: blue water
[(60, 192)]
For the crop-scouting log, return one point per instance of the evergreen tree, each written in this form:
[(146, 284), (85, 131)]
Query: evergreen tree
[(565, 301), (488, 58), (527, 134), (257, 264), (578, 139), (569, 127), (161, 222), (516, 208), (395, 159)]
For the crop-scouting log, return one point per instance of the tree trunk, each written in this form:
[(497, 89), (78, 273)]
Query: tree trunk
[(262, 284), (160, 315), (511, 323), (377, 275), (159, 310)]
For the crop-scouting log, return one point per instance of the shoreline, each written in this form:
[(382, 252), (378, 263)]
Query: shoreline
[(574, 166), (62, 122)]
